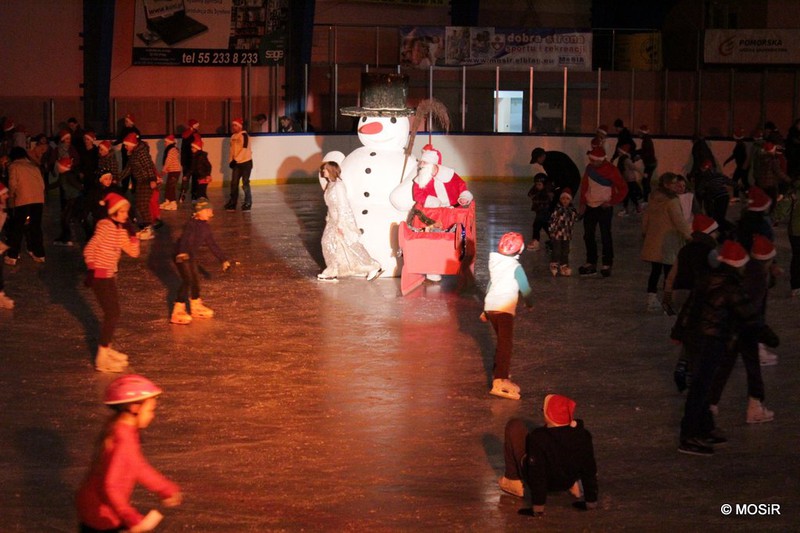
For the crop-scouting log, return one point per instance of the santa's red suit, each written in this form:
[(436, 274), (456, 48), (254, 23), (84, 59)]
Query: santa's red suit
[(446, 189)]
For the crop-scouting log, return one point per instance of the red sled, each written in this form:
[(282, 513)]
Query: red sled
[(442, 252)]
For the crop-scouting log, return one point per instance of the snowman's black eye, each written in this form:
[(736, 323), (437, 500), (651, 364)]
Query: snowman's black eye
[(363, 119), (394, 120)]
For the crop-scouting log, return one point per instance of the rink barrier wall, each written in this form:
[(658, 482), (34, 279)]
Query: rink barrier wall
[(497, 157)]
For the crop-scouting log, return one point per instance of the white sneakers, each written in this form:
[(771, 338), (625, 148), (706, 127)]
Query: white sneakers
[(757, 413), (5, 301), (554, 269), (505, 388), (110, 361), (199, 310), (179, 314), (512, 486), (169, 206)]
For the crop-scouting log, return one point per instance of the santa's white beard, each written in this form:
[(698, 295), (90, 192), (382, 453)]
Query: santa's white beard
[(424, 175)]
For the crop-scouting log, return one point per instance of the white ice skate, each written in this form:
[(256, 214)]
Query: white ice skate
[(505, 388), (512, 486), (199, 310), (179, 314), (103, 362)]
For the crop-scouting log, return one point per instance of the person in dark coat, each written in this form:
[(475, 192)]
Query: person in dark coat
[(562, 172), (558, 456), (623, 137)]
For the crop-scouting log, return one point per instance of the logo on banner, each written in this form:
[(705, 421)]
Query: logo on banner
[(727, 46)]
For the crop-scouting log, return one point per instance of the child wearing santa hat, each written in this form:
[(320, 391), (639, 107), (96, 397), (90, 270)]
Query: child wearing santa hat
[(128, 129), (187, 136), (755, 220), (171, 167), (71, 189), (201, 169), (112, 236), (561, 222), (558, 456)]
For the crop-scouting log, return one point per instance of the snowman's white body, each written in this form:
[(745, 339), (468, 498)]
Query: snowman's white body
[(372, 173)]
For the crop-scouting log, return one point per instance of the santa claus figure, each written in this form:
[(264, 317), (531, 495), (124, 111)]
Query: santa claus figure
[(436, 185)]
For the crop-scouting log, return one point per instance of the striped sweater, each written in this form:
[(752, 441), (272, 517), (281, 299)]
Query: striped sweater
[(172, 159), (103, 250)]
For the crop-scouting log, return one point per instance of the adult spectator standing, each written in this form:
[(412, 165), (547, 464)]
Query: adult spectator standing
[(142, 171), (241, 163), (77, 135), (188, 135), (124, 133), (647, 153), (793, 150), (623, 137), (601, 189), (562, 172), (770, 176), (26, 197)]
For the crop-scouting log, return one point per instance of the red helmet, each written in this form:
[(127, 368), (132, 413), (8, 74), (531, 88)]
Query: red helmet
[(511, 243), (130, 388)]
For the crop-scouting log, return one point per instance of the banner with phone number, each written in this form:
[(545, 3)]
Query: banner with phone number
[(221, 33)]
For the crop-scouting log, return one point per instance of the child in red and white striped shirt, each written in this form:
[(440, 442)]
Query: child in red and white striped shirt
[(112, 236)]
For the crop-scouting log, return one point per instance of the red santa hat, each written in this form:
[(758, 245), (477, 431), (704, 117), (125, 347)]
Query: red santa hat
[(63, 134), (644, 129), (169, 139), (762, 249), (704, 224), (769, 148), (758, 200), (733, 254), (431, 155), (239, 121), (130, 117), (738, 134), (193, 123), (558, 410), (8, 124), (566, 192), (597, 154), (114, 202), (105, 145), (64, 164), (90, 135), (197, 141), (131, 139), (602, 129)]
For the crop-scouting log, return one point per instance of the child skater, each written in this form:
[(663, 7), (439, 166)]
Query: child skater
[(104, 496), (541, 198), (112, 236), (196, 233), (558, 456), (171, 167), (5, 301), (201, 169), (561, 222), (506, 280)]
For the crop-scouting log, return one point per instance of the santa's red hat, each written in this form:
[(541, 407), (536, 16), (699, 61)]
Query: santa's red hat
[(64, 133), (131, 139), (597, 154), (197, 141), (566, 192), (558, 410), (169, 139), (114, 202), (105, 145), (758, 200), (733, 254), (762, 249), (130, 117), (769, 148), (431, 155), (239, 121), (64, 164), (193, 123), (738, 134), (704, 224)]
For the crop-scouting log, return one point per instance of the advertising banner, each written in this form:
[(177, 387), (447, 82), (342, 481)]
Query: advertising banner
[(209, 32), (520, 48), (638, 51), (752, 46)]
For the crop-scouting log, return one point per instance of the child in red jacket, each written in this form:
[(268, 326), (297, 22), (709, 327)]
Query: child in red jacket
[(104, 497)]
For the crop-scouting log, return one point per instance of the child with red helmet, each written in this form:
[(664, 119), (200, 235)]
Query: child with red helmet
[(103, 499), (506, 280)]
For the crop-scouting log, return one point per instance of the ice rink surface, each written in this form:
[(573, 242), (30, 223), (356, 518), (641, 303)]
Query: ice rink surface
[(305, 406)]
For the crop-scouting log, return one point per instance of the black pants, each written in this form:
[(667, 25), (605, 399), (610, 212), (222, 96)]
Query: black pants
[(241, 172), (717, 208), (747, 346), (190, 280), (634, 195), (649, 172), (655, 274), (592, 217), (70, 212), (26, 222), (105, 289), (560, 252), (503, 324), (169, 189), (705, 355), (540, 223)]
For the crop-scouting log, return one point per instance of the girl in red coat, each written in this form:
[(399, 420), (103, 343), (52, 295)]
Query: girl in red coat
[(104, 497)]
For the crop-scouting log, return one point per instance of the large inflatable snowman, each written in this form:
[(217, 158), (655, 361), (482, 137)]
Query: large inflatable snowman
[(379, 167)]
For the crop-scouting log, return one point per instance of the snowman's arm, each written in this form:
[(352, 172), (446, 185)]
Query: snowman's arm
[(402, 197)]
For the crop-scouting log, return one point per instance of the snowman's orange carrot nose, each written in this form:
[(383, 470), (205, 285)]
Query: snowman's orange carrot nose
[(371, 128)]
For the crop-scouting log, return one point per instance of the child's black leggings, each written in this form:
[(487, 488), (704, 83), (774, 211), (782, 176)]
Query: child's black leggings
[(190, 280)]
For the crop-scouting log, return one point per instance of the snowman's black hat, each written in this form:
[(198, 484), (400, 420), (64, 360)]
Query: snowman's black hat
[(382, 95)]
